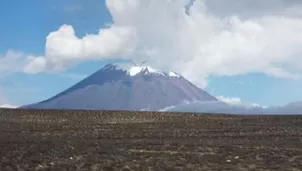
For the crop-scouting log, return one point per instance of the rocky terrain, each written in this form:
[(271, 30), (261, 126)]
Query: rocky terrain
[(102, 140)]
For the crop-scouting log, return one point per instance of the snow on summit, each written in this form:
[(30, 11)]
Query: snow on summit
[(173, 74), (133, 69), (143, 69)]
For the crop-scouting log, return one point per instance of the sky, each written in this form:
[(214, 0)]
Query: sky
[(237, 50)]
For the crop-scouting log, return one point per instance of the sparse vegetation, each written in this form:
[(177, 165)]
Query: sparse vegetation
[(102, 140)]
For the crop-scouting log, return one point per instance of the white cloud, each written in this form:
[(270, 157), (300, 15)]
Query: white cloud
[(196, 44), (236, 101), (230, 100), (63, 48), (8, 106), (247, 8)]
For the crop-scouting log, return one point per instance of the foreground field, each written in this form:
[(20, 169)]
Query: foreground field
[(87, 140)]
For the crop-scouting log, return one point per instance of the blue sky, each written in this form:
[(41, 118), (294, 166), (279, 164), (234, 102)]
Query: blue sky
[(25, 26)]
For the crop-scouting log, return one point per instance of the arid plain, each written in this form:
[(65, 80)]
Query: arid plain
[(119, 140)]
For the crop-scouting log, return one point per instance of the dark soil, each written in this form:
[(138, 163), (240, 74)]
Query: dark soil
[(112, 141)]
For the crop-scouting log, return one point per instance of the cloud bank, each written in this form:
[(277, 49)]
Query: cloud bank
[(195, 38), (8, 106), (236, 101), (230, 100)]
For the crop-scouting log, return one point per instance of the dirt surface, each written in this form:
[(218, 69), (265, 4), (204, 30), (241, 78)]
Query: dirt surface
[(86, 140)]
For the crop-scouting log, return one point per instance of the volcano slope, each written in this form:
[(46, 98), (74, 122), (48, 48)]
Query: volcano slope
[(103, 140)]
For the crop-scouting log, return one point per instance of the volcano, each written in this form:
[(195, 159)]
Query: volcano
[(126, 87)]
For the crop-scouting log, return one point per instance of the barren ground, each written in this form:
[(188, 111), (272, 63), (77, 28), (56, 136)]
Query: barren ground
[(87, 140)]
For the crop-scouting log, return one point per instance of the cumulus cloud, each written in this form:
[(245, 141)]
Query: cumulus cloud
[(248, 8), (63, 48), (194, 40)]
